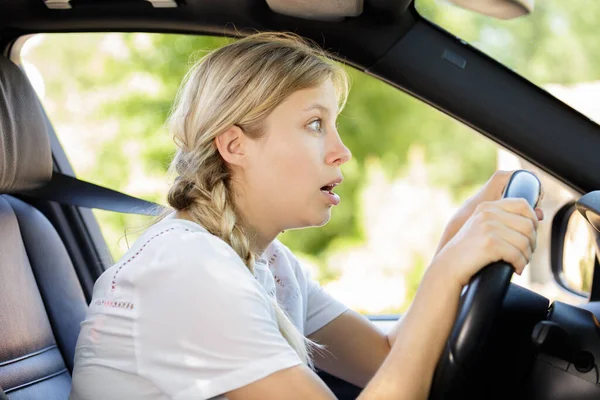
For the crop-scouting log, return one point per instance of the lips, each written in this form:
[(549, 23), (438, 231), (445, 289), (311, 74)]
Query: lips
[(331, 185), (327, 190)]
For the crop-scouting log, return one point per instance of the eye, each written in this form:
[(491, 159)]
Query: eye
[(316, 125)]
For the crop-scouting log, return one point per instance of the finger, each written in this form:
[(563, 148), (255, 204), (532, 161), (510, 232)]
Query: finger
[(518, 223), (540, 214), (520, 207), (511, 255), (512, 206), (514, 249), (498, 182)]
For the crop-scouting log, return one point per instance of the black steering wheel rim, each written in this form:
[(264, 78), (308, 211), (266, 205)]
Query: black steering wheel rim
[(479, 305)]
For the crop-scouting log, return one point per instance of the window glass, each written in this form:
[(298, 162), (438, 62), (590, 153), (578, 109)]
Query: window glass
[(108, 95), (556, 46)]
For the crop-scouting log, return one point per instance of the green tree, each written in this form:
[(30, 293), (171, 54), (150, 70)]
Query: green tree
[(378, 122), (108, 95), (557, 43)]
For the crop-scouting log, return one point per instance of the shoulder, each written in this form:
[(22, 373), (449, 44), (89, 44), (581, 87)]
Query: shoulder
[(180, 252), (182, 239)]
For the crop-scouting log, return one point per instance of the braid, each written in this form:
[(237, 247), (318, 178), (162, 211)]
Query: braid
[(179, 194), (215, 211), (217, 214), (207, 198)]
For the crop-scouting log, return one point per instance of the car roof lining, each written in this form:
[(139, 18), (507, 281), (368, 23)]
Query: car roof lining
[(381, 23)]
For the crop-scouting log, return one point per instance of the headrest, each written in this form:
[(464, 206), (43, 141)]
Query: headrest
[(25, 155)]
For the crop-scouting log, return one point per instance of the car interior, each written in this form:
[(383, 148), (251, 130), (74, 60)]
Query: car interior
[(51, 247)]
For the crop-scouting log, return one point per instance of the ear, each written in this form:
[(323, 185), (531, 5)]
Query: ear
[(231, 145)]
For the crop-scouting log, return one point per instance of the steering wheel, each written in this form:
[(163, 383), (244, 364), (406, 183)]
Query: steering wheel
[(478, 308)]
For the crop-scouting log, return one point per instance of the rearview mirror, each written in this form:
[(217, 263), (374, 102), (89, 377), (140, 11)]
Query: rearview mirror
[(573, 251), (503, 9)]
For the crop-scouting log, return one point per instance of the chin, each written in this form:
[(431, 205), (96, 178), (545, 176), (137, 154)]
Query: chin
[(324, 218), (315, 220)]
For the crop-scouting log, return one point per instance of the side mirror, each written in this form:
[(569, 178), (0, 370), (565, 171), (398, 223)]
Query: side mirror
[(573, 250)]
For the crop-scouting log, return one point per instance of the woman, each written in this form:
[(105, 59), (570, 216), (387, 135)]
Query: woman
[(209, 304)]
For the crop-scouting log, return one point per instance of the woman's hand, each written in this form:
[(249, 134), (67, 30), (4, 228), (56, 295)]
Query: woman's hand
[(491, 191), (500, 230), (492, 229)]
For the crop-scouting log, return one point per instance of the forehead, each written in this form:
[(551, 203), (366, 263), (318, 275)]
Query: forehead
[(322, 97)]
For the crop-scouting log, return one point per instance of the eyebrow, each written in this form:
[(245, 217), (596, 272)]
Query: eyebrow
[(318, 107)]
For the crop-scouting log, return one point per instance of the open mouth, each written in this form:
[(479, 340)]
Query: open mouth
[(328, 188)]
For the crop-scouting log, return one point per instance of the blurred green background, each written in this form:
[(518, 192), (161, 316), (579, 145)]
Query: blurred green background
[(108, 95)]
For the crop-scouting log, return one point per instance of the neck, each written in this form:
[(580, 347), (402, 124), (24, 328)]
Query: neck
[(259, 241), (258, 223)]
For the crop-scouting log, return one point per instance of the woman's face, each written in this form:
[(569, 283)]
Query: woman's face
[(285, 170)]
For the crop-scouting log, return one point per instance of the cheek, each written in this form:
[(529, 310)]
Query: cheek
[(287, 170), (298, 166), (293, 172), (287, 174)]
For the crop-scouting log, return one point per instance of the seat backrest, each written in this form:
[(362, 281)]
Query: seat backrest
[(41, 301)]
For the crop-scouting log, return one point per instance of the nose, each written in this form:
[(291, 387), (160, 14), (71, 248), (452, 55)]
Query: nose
[(339, 154)]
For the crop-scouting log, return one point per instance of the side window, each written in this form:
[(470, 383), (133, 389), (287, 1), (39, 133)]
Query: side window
[(108, 95)]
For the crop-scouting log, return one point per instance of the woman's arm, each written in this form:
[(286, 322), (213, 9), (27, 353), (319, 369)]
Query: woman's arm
[(295, 383), (362, 352), (417, 341), (357, 356), (501, 230), (355, 348)]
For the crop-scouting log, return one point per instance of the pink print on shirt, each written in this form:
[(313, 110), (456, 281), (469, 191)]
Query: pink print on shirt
[(287, 289), (114, 280)]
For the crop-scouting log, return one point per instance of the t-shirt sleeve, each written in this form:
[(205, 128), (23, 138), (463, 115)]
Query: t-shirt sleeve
[(321, 307), (205, 327)]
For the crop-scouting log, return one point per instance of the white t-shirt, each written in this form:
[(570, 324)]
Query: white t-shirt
[(181, 317)]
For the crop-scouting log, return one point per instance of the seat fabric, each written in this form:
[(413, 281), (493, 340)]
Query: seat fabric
[(41, 300)]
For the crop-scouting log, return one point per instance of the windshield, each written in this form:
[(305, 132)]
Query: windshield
[(557, 47)]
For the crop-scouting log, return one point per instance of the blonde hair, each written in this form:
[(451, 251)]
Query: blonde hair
[(239, 84)]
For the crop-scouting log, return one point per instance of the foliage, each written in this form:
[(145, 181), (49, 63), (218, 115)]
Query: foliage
[(108, 96), (557, 43), (378, 122)]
